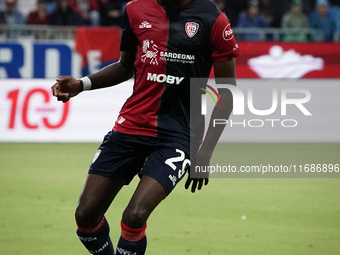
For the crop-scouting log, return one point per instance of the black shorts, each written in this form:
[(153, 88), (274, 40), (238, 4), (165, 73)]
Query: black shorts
[(124, 156)]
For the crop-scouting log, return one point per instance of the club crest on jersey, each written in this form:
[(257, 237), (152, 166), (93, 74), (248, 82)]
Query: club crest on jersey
[(191, 28)]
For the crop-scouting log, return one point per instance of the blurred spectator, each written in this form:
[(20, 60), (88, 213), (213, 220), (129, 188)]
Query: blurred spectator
[(293, 20), (26, 6), (2, 18), (272, 10), (334, 2), (88, 9), (280, 7), (64, 15), (112, 12), (308, 6), (267, 9), (251, 19), (321, 19), (233, 8), (51, 6), (39, 16), (335, 12), (12, 15)]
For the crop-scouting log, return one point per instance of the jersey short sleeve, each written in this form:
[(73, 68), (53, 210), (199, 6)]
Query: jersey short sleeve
[(222, 40), (129, 40)]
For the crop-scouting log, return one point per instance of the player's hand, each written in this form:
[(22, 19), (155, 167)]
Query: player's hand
[(66, 87), (201, 161)]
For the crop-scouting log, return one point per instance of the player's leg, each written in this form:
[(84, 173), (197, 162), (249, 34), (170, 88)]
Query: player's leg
[(119, 160), (148, 194), (161, 172), (93, 229)]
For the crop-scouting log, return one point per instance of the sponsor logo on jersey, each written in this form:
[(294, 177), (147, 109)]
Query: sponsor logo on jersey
[(176, 55), (150, 51), (228, 33), (145, 24), (191, 28), (152, 55), (164, 78)]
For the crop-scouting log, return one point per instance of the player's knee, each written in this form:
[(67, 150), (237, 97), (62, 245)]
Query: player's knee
[(135, 217), (86, 217)]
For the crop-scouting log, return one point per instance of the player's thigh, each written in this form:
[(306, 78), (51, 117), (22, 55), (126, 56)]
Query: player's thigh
[(116, 162), (167, 165), (163, 169), (119, 156), (148, 194), (96, 197)]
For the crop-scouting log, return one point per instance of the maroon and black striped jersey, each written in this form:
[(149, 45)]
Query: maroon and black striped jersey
[(171, 47)]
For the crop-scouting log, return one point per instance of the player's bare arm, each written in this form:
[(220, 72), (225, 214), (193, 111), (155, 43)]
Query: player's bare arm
[(67, 87), (225, 69)]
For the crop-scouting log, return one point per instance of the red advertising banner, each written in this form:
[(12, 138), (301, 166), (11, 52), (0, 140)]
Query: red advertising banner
[(97, 46), (100, 46), (288, 60)]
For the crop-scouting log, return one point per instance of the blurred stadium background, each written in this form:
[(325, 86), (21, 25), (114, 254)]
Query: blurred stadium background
[(46, 147)]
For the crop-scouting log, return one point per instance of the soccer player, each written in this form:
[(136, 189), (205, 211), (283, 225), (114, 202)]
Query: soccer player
[(164, 44)]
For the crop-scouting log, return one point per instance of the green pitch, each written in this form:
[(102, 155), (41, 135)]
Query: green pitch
[(40, 185)]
